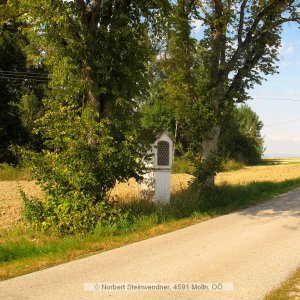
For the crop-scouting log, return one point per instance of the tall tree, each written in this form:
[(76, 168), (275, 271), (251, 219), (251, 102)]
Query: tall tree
[(102, 44), (97, 54), (173, 75), (239, 42), (12, 59), (237, 46), (22, 82)]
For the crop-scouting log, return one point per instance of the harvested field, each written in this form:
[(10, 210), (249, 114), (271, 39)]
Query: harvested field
[(10, 202), (274, 173)]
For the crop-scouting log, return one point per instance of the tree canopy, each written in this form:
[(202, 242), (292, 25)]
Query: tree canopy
[(237, 47), (12, 60), (96, 54)]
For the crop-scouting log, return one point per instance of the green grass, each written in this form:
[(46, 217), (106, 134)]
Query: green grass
[(182, 165), (8, 172), (287, 290), (232, 165), (23, 250)]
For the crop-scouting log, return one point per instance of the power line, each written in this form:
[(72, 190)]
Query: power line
[(23, 78), (24, 73), (281, 123), (276, 99), (277, 93), (20, 75)]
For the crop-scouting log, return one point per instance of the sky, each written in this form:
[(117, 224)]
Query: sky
[(277, 100)]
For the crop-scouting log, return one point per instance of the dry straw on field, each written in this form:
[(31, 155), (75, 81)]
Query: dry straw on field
[(10, 202)]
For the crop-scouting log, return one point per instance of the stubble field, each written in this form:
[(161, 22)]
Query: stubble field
[(11, 204)]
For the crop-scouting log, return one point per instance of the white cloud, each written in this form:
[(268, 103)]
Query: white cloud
[(287, 48), (196, 24), (286, 64)]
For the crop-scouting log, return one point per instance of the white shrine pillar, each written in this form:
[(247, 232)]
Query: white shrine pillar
[(156, 184)]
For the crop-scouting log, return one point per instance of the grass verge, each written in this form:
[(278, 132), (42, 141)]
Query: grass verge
[(8, 173), (289, 290), (23, 250)]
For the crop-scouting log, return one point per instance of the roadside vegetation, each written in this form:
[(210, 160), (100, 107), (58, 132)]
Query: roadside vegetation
[(23, 249), (289, 290)]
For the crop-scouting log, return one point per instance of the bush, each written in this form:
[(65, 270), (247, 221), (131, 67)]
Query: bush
[(75, 213), (231, 165), (182, 165), (206, 169), (84, 157)]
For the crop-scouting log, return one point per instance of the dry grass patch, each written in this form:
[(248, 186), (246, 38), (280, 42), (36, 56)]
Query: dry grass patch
[(289, 290)]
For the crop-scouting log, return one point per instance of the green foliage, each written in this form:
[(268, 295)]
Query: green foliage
[(158, 112), (241, 138), (21, 85), (82, 155), (207, 168), (182, 165), (231, 165), (74, 213), (96, 56), (204, 80), (81, 164), (174, 102), (12, 59)]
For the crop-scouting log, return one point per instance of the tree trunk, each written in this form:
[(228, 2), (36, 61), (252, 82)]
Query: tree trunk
[(210, 143), (210, 147), (175, 140)]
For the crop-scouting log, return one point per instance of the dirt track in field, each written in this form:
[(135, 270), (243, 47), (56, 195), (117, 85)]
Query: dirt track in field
[(10, 201)]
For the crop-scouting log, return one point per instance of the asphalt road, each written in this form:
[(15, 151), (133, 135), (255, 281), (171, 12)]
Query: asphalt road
[(253, 250)]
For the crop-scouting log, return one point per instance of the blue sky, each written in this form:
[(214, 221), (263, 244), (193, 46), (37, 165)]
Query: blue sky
[(277, 101)]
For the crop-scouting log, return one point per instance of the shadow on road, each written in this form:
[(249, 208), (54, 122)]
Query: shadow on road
[(247, 199), (287, 204)]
